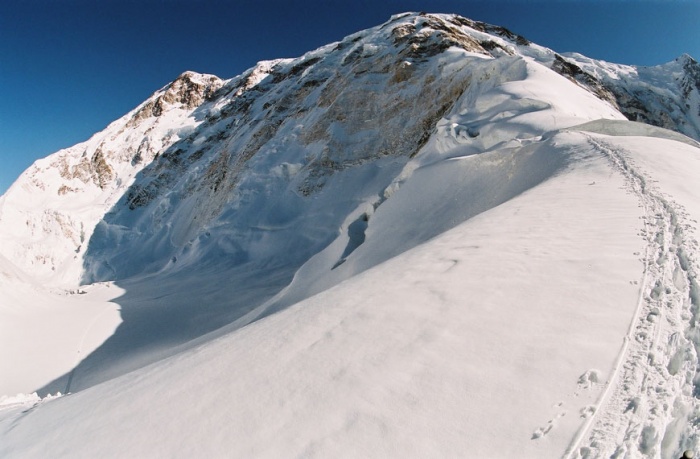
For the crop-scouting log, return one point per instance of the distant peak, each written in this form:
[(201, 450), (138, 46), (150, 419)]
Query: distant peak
[(191, 77), (192, 88), (187, 74), (427, 34), (396, 17), (430, 20), (686, 58), (188, 91)]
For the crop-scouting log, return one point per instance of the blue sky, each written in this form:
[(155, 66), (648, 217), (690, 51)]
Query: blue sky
[(70, 67)]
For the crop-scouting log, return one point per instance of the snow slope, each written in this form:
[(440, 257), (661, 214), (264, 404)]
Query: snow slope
[(504, 330), (432, 239)]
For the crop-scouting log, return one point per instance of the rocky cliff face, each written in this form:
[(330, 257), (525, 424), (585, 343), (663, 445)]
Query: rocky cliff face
[(667, 95), (188, 92), (206, 158), (47, 216)]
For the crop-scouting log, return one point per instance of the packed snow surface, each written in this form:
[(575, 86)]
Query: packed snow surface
[(418, 242)]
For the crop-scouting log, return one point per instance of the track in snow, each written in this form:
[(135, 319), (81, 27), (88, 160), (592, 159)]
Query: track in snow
[(651, 406)]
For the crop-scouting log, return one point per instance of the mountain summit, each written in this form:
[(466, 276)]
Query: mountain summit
[(432, 238)]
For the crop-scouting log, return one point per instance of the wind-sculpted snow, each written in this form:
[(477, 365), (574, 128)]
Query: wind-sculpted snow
[(632, 128), (363, 103), (427, 239)]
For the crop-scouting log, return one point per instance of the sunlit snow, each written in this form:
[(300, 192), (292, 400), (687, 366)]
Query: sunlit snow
[(524, 284)]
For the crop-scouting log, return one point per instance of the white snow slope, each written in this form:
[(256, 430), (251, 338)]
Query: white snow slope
[(418, 242)]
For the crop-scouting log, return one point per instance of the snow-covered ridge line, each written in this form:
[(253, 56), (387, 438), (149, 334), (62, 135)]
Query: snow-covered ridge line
[(309, 103), (650, 399), (202, 130)]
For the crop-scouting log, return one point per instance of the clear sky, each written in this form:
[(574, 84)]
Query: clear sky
[(70, 67)]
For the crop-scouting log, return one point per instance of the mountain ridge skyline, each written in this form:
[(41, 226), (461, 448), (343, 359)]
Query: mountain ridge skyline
[(93, 55)]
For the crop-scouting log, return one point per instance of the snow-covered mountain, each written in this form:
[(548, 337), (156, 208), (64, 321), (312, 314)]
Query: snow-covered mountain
[(432, 238)]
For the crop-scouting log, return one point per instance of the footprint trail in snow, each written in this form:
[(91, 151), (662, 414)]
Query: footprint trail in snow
[(650, 407)]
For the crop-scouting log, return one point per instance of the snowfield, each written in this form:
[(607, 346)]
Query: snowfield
[(523, 284)]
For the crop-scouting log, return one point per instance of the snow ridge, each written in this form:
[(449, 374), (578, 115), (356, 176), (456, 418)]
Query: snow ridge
[(650, 405)]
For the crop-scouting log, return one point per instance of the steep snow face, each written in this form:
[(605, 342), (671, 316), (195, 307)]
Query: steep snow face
[(48, 215), (280, 163), (272, 150), (198, 159)]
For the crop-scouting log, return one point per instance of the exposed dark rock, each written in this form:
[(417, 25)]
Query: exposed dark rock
[(585, 79), (691, 79), (160, 175), (491, 29), (102, 172), (185, 91), (490, 46), (295, 70), (430, 37), (64, 189), (190, 93), (351, 108)]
